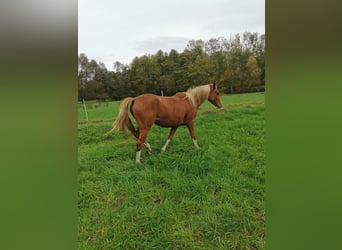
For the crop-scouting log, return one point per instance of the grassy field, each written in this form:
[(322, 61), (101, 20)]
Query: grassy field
[(184, 198)]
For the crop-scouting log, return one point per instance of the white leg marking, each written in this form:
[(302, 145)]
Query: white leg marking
[(165, 145), (148, 148), (137, 156), (195, 143)]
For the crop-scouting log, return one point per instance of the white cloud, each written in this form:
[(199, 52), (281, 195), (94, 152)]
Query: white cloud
[(112, 31), (165, 43)]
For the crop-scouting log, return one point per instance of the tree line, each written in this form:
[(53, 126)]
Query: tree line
[(236, 64)]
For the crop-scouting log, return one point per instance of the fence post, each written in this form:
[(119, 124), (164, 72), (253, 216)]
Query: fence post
[(85, 109)]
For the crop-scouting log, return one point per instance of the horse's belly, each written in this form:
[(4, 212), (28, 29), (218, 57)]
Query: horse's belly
[(168, 123)]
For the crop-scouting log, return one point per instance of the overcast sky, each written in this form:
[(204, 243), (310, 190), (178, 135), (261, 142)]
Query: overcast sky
[(111, 30)]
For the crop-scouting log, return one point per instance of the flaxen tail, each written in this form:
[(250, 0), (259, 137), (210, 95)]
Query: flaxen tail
[(123, 122)]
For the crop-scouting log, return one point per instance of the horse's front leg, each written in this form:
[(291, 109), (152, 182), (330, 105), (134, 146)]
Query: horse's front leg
[(191, 127), (169, 138)]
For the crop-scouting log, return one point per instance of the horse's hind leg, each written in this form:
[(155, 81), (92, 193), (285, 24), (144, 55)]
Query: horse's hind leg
[(136, 133), (148, 148), (146, 144), (140, 143)]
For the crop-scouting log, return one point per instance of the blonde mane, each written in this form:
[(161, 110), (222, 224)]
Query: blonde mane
[(197, 95)]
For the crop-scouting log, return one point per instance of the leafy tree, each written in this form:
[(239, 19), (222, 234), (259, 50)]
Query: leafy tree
[(237, 64), (144, 74), (94, 90), (120, 67), (93, 79), (252, 74), (202, 70)]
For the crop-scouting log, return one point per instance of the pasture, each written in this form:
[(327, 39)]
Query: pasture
[(184, 198)]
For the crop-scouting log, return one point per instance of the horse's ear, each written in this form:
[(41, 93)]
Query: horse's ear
[(214, 84)]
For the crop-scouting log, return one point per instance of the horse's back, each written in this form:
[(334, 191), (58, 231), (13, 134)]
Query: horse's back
[(148, 100)]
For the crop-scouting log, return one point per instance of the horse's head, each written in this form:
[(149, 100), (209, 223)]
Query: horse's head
[(214, 96)]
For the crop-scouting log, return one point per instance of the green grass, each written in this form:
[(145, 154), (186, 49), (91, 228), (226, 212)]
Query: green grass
[(184, 198)]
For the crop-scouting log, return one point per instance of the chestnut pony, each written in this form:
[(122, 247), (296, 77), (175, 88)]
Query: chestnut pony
[(165, 111)]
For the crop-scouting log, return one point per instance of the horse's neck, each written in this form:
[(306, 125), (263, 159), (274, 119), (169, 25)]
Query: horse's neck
[(198, 95), (200, 103)]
